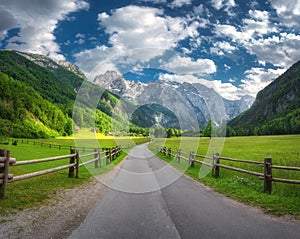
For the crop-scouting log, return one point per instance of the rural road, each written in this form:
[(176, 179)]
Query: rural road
[(151, 200)]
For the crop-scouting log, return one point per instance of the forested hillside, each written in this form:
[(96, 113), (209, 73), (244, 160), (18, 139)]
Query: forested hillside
[(38, 95), (276, 109), (24, 113), (54, 83)]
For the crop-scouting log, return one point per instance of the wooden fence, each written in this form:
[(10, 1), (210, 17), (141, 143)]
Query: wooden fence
[(267, 176), (48, 145), (109, 154)]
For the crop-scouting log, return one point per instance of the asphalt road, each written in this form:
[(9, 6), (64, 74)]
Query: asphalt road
[(151, 200)]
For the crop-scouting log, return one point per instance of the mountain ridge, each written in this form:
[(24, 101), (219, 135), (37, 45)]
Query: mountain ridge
[(199, 97), (56, 86), (276, 109)]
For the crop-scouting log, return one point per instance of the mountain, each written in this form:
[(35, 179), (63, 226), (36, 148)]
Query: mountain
[(73, 68), (38, 95), (176, 104), (24, 112), (53, 82), (276, 109)]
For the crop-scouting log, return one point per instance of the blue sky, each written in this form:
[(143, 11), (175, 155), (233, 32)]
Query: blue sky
[(236, 47)]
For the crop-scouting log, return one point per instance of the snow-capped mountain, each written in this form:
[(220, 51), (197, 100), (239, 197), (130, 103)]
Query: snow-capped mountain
[(187, 101)]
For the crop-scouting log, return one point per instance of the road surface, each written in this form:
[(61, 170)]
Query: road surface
[(151, 200)]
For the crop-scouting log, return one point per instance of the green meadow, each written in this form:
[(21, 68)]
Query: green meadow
[(34, 191), (284, 150)]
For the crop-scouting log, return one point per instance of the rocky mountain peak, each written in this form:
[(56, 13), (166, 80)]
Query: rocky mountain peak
[(205, 102), (73, 68)]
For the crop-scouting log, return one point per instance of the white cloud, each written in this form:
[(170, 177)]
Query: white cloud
[(222, 48), (231, 32), (227, 5), (141, 33), (259, 15), (180, 3), (281, 51), (227, 67), (258, 78), (217, 4), (37, 23), (262, 38), (288, 11), (186, 65), (256, 26), (255, 80), (128, 30), (80, 38), (226, 90)]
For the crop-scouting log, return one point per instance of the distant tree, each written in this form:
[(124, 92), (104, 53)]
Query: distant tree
[(207, 130)]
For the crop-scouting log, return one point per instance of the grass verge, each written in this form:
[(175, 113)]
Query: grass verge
[(34, 191), (285, 198)]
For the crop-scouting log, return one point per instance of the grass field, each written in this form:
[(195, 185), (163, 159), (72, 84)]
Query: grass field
[(284, 150), (34, 191)]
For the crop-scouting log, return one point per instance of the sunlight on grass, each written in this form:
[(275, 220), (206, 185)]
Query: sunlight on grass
[(284, 150)]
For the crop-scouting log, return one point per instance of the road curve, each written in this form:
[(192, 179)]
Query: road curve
[(151, 200)]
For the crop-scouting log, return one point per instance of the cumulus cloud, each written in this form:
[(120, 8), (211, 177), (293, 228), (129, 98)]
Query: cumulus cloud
[(128, 30), (255, 27), (258, 78), (80, 38), (222, 48), (226, 5), (263, 39), (37, 23), (180, 3), (186, 65), (140, 38), (288, 11), (255, 80), (226, 90), (281, 51)]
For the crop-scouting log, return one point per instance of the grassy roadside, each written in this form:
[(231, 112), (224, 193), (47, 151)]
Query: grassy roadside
[(33, 192), (285, 198)]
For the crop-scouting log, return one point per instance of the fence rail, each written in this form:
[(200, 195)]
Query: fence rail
[(109, 154), (267, 176)]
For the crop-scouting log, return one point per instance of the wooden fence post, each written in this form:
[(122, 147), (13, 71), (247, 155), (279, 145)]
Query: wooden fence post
[(109, 151), (169, 152), (77, 164), (165, 150), (96, 155), (118, 151), (107, 156), (99, 154), (216, 168), (178, 155), (191, 159), (113, 153), (268, 175), (4, 170), (72, 160)]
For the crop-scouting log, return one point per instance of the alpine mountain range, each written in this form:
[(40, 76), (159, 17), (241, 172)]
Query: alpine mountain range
[(187, 101)]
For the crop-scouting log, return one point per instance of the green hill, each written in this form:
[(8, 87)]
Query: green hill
[(38, 95), (276, 109), (24, 113), (53, 83)]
